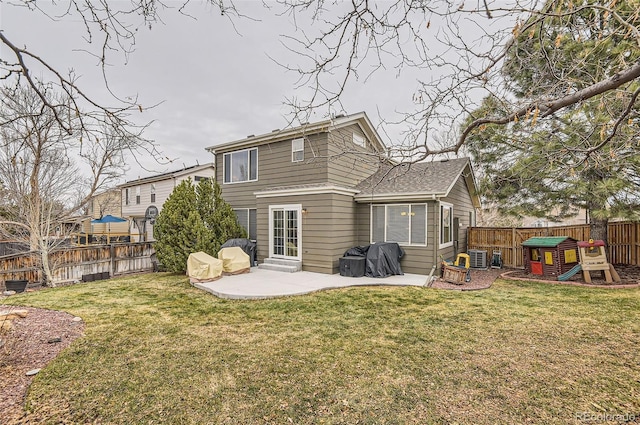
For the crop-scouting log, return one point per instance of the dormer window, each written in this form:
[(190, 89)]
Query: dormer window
[(297, 150), (241, 166)]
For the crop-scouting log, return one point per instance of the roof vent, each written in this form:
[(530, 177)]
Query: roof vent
[(251, 135), (275, 131), (444, 160), (339, 116)]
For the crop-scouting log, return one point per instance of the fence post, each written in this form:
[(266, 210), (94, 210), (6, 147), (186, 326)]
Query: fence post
[(513, 247), (112, 263)]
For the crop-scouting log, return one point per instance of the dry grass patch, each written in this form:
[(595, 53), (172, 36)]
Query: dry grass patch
[(159, 351)]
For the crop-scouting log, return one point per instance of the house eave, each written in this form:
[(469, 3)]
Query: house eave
[(320, 190), (471, 183), (166, 176), (324, 126), (394, 197)]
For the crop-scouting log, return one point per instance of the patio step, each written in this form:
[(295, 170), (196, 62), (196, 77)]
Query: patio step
[(278, 264)]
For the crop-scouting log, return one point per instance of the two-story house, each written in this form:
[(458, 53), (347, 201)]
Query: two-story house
[(309, 193), (142, 199)]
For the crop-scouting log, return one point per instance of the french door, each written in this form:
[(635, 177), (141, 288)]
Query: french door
[(285, 232)]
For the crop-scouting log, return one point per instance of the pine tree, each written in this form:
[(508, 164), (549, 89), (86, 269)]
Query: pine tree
[(175, 229), (194, 218), (224, 221), (584, 157)]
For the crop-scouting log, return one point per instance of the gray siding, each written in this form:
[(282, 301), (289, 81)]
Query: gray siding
[(349, 164), (333, 223), (328, 228), (460, 198), (275, 169), (417, 259)]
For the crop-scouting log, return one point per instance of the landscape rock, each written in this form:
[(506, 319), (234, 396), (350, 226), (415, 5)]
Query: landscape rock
[(33, 372), (77, 319), (8, 293), (13, 314)]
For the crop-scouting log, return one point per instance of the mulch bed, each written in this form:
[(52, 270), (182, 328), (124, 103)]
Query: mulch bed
[(31, 343), (483, 279), (480, 279), (629, 277)]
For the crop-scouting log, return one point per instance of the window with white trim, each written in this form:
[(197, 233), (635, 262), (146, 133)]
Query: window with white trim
[(405, 224), (247, 217), (297, 150), (138, 195), (126, 196), (241, 166), (153, 192), (358, 140), (446, 224)]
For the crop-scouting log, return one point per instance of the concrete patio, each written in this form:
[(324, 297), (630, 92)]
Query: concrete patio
[(261, 284)]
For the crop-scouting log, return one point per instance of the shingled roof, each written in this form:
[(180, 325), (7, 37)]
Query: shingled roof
[(419, 180)]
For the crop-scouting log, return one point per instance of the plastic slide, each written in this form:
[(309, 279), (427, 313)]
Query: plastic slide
[(570, 273)]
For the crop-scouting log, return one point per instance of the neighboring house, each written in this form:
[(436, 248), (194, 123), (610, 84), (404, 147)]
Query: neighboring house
[(307, 194), (104, 203), (142, 199)]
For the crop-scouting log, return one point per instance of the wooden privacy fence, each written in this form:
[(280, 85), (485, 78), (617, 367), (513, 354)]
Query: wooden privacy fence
[(71, 264), (623, 243)]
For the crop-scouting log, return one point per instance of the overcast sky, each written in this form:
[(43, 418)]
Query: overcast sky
[(214, 77)]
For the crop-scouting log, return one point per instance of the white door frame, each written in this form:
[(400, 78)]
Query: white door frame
[(287, 207)]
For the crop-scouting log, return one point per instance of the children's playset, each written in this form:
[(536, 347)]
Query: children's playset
[(562, 257)]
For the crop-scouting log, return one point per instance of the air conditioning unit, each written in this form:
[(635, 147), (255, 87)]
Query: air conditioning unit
[(477, 258)]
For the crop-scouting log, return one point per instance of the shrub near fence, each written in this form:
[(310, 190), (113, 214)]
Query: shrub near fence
[(623, 244), (71, 264)]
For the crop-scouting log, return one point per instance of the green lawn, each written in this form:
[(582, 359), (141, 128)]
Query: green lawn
[(157, 350)]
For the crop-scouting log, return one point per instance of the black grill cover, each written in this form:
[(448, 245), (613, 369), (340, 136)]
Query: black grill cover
[(352, 266), (383, 259), (247, 246), (357, 251)]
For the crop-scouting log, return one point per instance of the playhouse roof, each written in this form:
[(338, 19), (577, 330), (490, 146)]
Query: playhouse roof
[(545, 241)]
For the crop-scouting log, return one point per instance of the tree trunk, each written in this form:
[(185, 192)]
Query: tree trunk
[(598, 228), (47, 275)]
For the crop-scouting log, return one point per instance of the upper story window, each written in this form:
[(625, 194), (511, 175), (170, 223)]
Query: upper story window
[(446, 224), (126, 196), (405, 224), (241, 166), (358, 140), (138, 195), (297, 150), (153, 192)]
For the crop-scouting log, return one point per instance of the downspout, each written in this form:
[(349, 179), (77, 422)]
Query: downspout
[(436, 237)]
